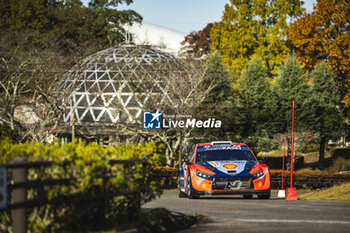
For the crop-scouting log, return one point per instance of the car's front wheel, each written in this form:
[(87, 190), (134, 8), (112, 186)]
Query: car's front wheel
[(180, 193), (188, 189)]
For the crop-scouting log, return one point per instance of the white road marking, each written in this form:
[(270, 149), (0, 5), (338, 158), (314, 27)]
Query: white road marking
[(292, 221)]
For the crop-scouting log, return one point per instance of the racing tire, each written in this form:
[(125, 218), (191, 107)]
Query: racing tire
[(247, 196), (180, 193), (188, 190)]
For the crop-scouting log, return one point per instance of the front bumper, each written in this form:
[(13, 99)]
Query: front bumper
[(231, 185)]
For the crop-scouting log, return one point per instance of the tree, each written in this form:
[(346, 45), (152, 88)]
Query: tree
[(254, 28), (33, 14), (29, 102), (7, 132), (253, 107), (290, 85), (100, 22), (323, 35), (198, 43), (68, 23), (219, 100), (255, 92), (325, 117), (14, 83), (217, 73)]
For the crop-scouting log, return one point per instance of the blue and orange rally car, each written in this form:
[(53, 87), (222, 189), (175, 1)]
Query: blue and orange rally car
[(223, 167)]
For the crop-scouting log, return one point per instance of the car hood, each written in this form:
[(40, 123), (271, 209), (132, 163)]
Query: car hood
[(231, 167)]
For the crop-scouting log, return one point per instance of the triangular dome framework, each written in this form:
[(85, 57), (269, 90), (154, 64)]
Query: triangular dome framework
[(105, 87)]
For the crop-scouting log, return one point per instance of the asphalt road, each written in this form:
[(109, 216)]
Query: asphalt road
[(235, 214)]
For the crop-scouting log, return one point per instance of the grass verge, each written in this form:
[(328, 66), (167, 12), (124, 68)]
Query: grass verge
[(338, 193)]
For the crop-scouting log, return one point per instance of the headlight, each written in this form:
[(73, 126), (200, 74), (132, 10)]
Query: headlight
[(203, 175), (258, 174)]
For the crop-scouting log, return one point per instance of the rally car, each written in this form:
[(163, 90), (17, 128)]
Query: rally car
[(223, 167)]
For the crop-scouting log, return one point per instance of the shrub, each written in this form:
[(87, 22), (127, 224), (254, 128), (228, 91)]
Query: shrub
[(339, 164), (7, 132), (260, 144), (92, 175)]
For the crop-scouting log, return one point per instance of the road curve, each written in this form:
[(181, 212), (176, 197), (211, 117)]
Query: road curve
[(235, 214)]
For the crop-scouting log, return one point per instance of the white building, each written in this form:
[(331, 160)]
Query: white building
[(160, 37)]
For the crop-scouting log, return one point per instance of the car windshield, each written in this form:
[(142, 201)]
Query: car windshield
[(221, 155)]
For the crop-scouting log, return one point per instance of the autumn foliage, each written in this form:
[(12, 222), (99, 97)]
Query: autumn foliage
[(198, 43), (323, 35), (250, 29)]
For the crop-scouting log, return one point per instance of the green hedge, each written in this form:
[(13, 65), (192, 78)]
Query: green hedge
[(89, 167)]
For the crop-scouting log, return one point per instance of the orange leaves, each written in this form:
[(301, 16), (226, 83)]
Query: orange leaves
[(346, 100), (324, 35)]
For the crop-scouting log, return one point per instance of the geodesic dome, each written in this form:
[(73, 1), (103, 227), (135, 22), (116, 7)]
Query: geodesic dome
[(113, 85)]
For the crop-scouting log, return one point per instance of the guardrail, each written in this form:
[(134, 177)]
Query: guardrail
[(17, 203)]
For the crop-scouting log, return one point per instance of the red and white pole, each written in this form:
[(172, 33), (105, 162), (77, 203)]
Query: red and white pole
[(292, 192), (281, 192), (284, 152), (292, 149)]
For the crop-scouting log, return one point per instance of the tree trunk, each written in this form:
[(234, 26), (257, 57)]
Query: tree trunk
[(321, 153), (180, 151)]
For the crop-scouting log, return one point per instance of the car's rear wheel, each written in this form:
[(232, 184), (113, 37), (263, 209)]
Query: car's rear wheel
[(188, 190), (247, 196)]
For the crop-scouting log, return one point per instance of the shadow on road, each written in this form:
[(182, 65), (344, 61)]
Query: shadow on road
[(234, 198)]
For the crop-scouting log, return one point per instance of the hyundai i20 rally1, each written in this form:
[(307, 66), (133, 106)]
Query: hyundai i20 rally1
[(223, 167)]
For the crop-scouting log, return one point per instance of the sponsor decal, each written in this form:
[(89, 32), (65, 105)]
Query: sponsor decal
[(230, 166), (214, 164), (223, 148)]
